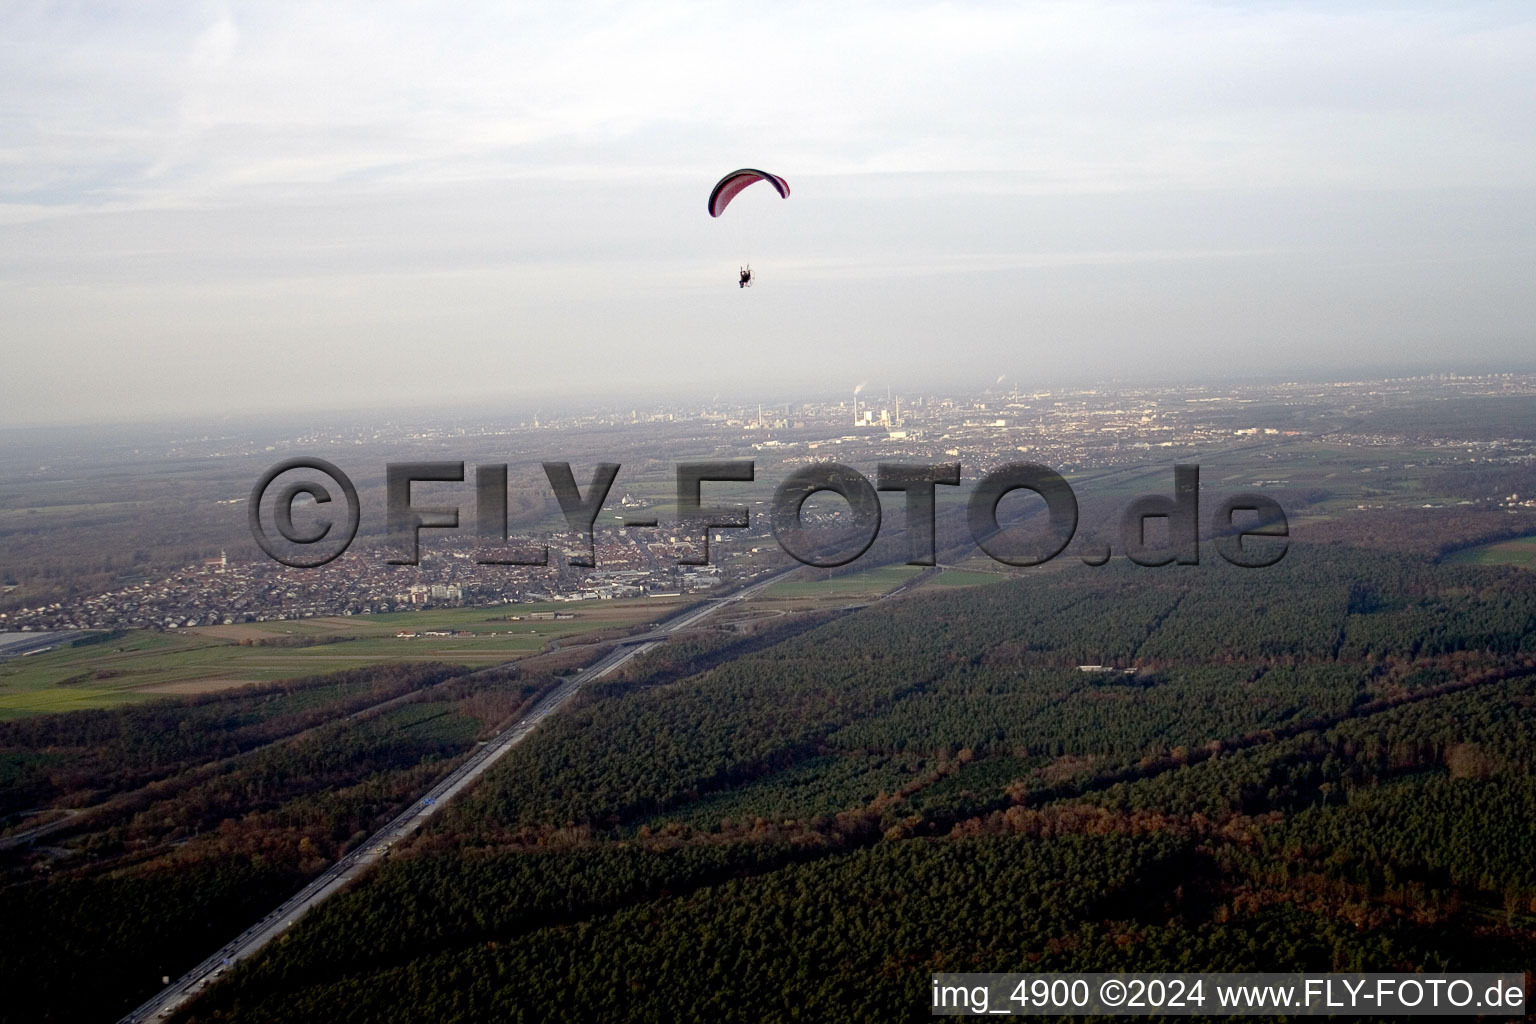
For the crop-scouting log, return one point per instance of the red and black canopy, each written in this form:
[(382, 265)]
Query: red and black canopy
[(731, 185)]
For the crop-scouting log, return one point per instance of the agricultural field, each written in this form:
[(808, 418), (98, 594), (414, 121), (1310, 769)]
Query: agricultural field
[(967, 578), (143, 664), (1519, 551), (865, 585)]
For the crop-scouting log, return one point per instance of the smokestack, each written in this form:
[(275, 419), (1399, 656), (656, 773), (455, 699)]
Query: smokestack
[(855, 406)]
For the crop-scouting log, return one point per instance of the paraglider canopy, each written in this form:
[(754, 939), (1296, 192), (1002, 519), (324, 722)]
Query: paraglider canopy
[(730, 186)]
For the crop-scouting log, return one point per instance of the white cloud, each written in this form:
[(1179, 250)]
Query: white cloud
[(160, 165), (257, 95)]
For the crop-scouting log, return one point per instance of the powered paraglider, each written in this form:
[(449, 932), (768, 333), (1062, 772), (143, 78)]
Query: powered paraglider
[(732, 185)]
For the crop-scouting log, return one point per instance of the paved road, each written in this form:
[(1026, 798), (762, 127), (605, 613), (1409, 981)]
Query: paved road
[(37, 832), (171, 998), (16, 645)]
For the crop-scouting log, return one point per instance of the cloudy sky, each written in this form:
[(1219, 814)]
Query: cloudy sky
[(231, 207)]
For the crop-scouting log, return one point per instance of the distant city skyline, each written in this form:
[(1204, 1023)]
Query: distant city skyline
[(266, 209)]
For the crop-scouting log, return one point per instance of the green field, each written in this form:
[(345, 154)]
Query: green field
[(858, 586), (145, 664), (1521, 552)]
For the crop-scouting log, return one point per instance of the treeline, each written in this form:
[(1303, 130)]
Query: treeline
[(838, 938), (1428, 532), (329, 786), (82, 757), (851, 935)]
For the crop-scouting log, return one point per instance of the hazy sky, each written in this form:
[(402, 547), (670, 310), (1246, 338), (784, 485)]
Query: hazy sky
[(209, 207)]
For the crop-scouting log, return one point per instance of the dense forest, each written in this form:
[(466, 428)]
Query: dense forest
[(179, 822), (1324, 765)]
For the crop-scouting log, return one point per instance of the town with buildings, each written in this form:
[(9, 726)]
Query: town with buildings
[(1073, 431)]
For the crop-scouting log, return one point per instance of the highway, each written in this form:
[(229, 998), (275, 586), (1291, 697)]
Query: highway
[(37, 832), (19, 645), (248, 942)]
